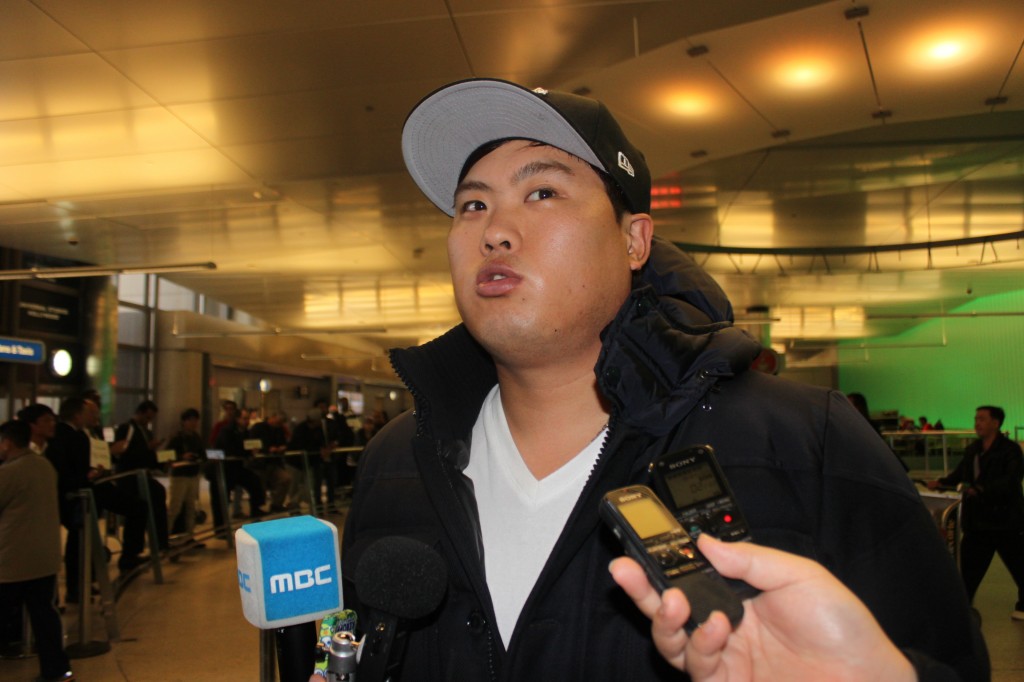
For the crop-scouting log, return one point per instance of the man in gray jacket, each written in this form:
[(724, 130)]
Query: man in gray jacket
[(30, 546)]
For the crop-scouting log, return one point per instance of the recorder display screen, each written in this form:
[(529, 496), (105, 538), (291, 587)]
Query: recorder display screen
[(648, 518), (692, 485)]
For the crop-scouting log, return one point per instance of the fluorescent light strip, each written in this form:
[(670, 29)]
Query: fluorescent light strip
[(103, 271), (278, 332)]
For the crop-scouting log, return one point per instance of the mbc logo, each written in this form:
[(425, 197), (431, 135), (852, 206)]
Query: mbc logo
[(289, 582), (300, 580)]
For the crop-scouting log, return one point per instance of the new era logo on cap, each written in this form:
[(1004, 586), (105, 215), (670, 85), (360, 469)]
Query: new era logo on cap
[(625, 165)]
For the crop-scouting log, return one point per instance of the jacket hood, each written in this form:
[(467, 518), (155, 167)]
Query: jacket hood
[(670, 343), (674, 274)]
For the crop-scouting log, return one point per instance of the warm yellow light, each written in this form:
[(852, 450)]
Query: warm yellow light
[(321, 299), (945, 46), (945, 50), (803, 74), (688, 104)]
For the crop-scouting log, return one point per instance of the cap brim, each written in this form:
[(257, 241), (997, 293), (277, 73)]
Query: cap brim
[(451, 123)]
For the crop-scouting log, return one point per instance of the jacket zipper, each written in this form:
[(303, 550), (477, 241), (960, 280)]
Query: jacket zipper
[(421, 412)]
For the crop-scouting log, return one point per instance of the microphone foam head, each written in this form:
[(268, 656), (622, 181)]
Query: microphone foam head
[(401, 576), (288, 571)]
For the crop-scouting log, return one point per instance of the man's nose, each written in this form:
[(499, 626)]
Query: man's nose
[(500, 233)]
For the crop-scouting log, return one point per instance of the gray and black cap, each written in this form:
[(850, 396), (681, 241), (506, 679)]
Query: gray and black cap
[(448, 125)]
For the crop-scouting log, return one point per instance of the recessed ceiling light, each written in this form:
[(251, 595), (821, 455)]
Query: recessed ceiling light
[(947, 49)]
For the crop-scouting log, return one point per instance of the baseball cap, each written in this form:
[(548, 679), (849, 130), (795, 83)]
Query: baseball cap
[(451, 123)]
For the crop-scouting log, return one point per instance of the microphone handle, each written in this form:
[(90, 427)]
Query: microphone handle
[(296, 651), (380, 653)]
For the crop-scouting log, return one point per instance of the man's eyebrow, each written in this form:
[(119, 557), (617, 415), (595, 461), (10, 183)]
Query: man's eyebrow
[(475, 185), (538, 167)]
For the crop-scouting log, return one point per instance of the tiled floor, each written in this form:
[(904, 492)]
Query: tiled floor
[(191, 628)]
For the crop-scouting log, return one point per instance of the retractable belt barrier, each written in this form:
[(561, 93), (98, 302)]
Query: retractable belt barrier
[(142, 479), (92, 561)]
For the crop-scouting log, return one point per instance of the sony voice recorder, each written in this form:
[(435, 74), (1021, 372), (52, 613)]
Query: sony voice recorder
[(652, 536), (691, 484)]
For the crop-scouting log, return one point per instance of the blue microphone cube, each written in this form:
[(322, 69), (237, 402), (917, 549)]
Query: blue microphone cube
[(288, 571)]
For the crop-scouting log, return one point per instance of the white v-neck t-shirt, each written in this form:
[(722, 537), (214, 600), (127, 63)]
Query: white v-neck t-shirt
[(520, 517)]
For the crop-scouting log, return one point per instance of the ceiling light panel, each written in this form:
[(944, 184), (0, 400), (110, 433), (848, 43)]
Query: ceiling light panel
[(264, 63), (114, 24), (804, 71), (671, 104), (94, 136), (64, 85), (920, 54), (138, 172)]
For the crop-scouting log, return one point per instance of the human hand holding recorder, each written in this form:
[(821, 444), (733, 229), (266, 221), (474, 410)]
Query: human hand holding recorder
[(805, 625)]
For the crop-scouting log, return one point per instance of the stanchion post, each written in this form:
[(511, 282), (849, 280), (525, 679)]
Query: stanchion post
[(314, 492), (142, 478), (88, 533), (225, 507), (99, 563)]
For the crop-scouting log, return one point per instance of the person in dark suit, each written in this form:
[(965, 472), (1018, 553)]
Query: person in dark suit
[(992, 470)]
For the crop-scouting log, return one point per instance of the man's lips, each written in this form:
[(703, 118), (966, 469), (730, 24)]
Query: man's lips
[(496, 280)]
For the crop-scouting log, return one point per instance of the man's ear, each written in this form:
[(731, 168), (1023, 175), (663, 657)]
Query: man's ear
[(638, 239)]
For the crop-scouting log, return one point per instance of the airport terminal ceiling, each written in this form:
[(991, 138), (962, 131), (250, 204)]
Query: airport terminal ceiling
[(264, 137)]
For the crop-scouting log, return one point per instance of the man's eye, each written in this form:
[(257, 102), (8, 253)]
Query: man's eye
[(543, 193), (473, 205)]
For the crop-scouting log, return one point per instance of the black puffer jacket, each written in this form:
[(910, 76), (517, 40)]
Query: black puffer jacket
[(810, 474)]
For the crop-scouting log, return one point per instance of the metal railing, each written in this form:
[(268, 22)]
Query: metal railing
[(289, 457)]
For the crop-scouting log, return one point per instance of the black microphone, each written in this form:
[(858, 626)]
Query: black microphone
[(398, 579)]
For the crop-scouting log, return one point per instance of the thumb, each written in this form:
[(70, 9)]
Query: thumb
[(763, 567)]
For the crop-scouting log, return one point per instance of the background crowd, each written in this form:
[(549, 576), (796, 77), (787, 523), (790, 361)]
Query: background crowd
[(49, 458)]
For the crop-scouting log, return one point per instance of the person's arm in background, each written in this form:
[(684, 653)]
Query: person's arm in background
[(955, 477)]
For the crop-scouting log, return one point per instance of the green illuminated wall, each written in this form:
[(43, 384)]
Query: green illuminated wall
[(982, 362)]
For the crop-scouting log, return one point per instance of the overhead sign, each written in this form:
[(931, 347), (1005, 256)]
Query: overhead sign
[(48, 312), (21, 350)]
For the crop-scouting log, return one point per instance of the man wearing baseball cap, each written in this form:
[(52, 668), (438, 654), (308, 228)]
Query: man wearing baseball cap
[(588, 348)]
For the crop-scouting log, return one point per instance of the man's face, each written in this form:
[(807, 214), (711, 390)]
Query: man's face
[(539, 262), (44, 427), (79, 419), (91, 414), (191, 425), (985, 425)]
